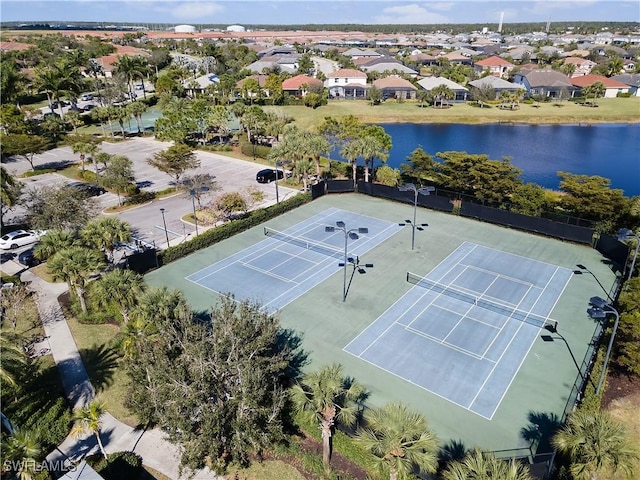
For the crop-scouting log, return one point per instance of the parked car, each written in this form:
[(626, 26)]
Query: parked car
[(268, 175), (89, 189), (18, 238), (28, 259), (86, 97), (55, 105)]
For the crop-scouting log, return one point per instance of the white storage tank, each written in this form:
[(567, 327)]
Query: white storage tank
[(236, 28), (184, 29)]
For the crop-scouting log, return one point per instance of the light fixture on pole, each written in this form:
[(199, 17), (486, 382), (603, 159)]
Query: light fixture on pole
[(626, 234), (599, 310), (164, 223), (553, 328), (410, 187), (348, 234), (585, 269)]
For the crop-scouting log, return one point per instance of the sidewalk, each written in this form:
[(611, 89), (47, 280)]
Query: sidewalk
[(156, 452)]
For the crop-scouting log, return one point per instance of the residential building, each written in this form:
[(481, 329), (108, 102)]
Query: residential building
[(429, 83), (583, 65), (298, 86), (612, 87), (498, 84), (548, 83), (347, 83), (498, 67), (631, 80), (396, 87)]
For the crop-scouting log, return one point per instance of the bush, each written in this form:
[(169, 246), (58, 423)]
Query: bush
[(261, 151), (624, 95), (88, 176), (217, 234), (120, 465), (132, 190), (141, 197), (40, 171)]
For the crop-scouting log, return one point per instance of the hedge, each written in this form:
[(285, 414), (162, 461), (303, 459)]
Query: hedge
[(260, 151), (217, 234)]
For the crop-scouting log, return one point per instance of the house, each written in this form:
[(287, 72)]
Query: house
[(396, 87), (298, 86), (612, 87), (548, 83), (422, 59), (355, 53), (498, 67), (455, 58), (631, 80), (391, 67), (583, 65), (282, 63), (347, 83), (429, 83), (200, 84), (498, 84), (82, 472), (261, 79)]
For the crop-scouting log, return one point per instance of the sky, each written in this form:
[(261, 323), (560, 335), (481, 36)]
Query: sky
[(282, 12)]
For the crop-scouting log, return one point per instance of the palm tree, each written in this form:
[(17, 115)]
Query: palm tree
[(329, 398), (10, 190), (76, 265), (316, 145), (105, 232), (132, 67), (120, 287), (21, 451), (54, 241), (12, 359), (136, 109), (88, 420), (400, 440), (84, 149), (595, 443), (478, 465), (303, 168)]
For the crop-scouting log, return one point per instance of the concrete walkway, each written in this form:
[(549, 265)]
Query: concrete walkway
[(156, 452)]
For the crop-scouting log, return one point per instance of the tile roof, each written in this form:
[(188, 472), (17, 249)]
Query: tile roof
[(347, 73), (295, 83), (393, 82), (429, 83), (494, 62), (591, 79), (547, 78)]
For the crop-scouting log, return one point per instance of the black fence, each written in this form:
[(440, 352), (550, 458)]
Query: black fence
[(340, 186), (446, 201), (142, 262), (614, 250)]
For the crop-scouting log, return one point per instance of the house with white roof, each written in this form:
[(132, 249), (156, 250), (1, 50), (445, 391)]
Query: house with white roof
[(429, 83), (347, 83)]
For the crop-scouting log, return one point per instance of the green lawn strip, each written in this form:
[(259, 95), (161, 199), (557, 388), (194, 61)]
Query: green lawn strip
[(609, 110), (102, 361)]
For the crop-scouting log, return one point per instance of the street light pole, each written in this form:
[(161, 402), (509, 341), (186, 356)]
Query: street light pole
[(277, 195), (599, 309), (410, 187), (348, 234), (195, 217), (164, 223), (626, 234)]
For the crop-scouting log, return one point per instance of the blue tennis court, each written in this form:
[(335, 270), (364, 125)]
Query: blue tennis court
[(287, 264), (464, 329)]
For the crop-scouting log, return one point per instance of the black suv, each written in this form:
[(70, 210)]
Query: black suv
[(89, 189), (268, 175)]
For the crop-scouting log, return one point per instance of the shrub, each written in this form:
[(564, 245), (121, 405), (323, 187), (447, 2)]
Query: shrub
[(141, 197), (120, 465), (261, 151), (88, 176), (624, 95), (40, 171), (217, 234)]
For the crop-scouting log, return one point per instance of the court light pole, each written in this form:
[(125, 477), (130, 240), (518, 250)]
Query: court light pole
[(410, 187), (599, 310), (277, 195), (348, 234), (585, 269), (626, 234), (164, 223), (553, 328), (195, 217)]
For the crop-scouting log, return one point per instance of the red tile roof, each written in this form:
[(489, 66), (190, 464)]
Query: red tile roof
[(393, 82), (587, 80), (494, 62), (14, 46), (347, 73), (295, 83)]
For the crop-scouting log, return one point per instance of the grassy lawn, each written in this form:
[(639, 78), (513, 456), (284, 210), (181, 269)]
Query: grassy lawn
[(102, 361), (625, 410), (267, 470), (608, 110)]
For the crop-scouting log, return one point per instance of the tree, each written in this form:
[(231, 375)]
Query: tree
[(595, 444), (478, 465), (199, 186), (84, 149), (76, 265), (10, 191), (105, 233), (595, 90), (440, 93), (59, 207), (175, 160), (388, 176), (327, 397), (217, 385), (315, 145), (12, 358), (303, 169), (229, 203), (136, 109), (21, 453), (628, 339), (420, 168), (374, 95), (13, 303), (530, 199), (54, 241), (400, 441), (483, 94), (88, 420), (118, 174), (25, 146), (120, 288), (590, 196)]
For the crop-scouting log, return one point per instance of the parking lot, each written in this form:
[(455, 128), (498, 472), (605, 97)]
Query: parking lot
[(232, 175)]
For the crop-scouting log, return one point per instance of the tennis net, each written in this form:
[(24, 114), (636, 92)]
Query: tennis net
[(506, 310), (304, 243)]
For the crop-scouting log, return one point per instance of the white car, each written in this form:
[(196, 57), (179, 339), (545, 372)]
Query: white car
[(18, 238)]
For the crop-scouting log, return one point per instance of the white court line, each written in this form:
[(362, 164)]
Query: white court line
[(268, 273), (452, 346), (513, 279)]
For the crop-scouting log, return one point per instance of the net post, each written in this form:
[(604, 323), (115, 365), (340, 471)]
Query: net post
[(265, 231)]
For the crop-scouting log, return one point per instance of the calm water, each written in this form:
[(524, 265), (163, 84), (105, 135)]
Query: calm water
[(611, 151)]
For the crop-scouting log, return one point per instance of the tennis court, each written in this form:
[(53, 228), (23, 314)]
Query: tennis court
[(287, 264), (463, 331)]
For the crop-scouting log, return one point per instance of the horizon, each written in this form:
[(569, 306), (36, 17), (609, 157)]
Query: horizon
[(323, 12)]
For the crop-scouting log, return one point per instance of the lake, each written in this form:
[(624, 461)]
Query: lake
[(608, 150)]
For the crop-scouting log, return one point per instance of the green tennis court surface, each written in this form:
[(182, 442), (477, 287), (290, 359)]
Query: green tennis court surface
[(542, 382)]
